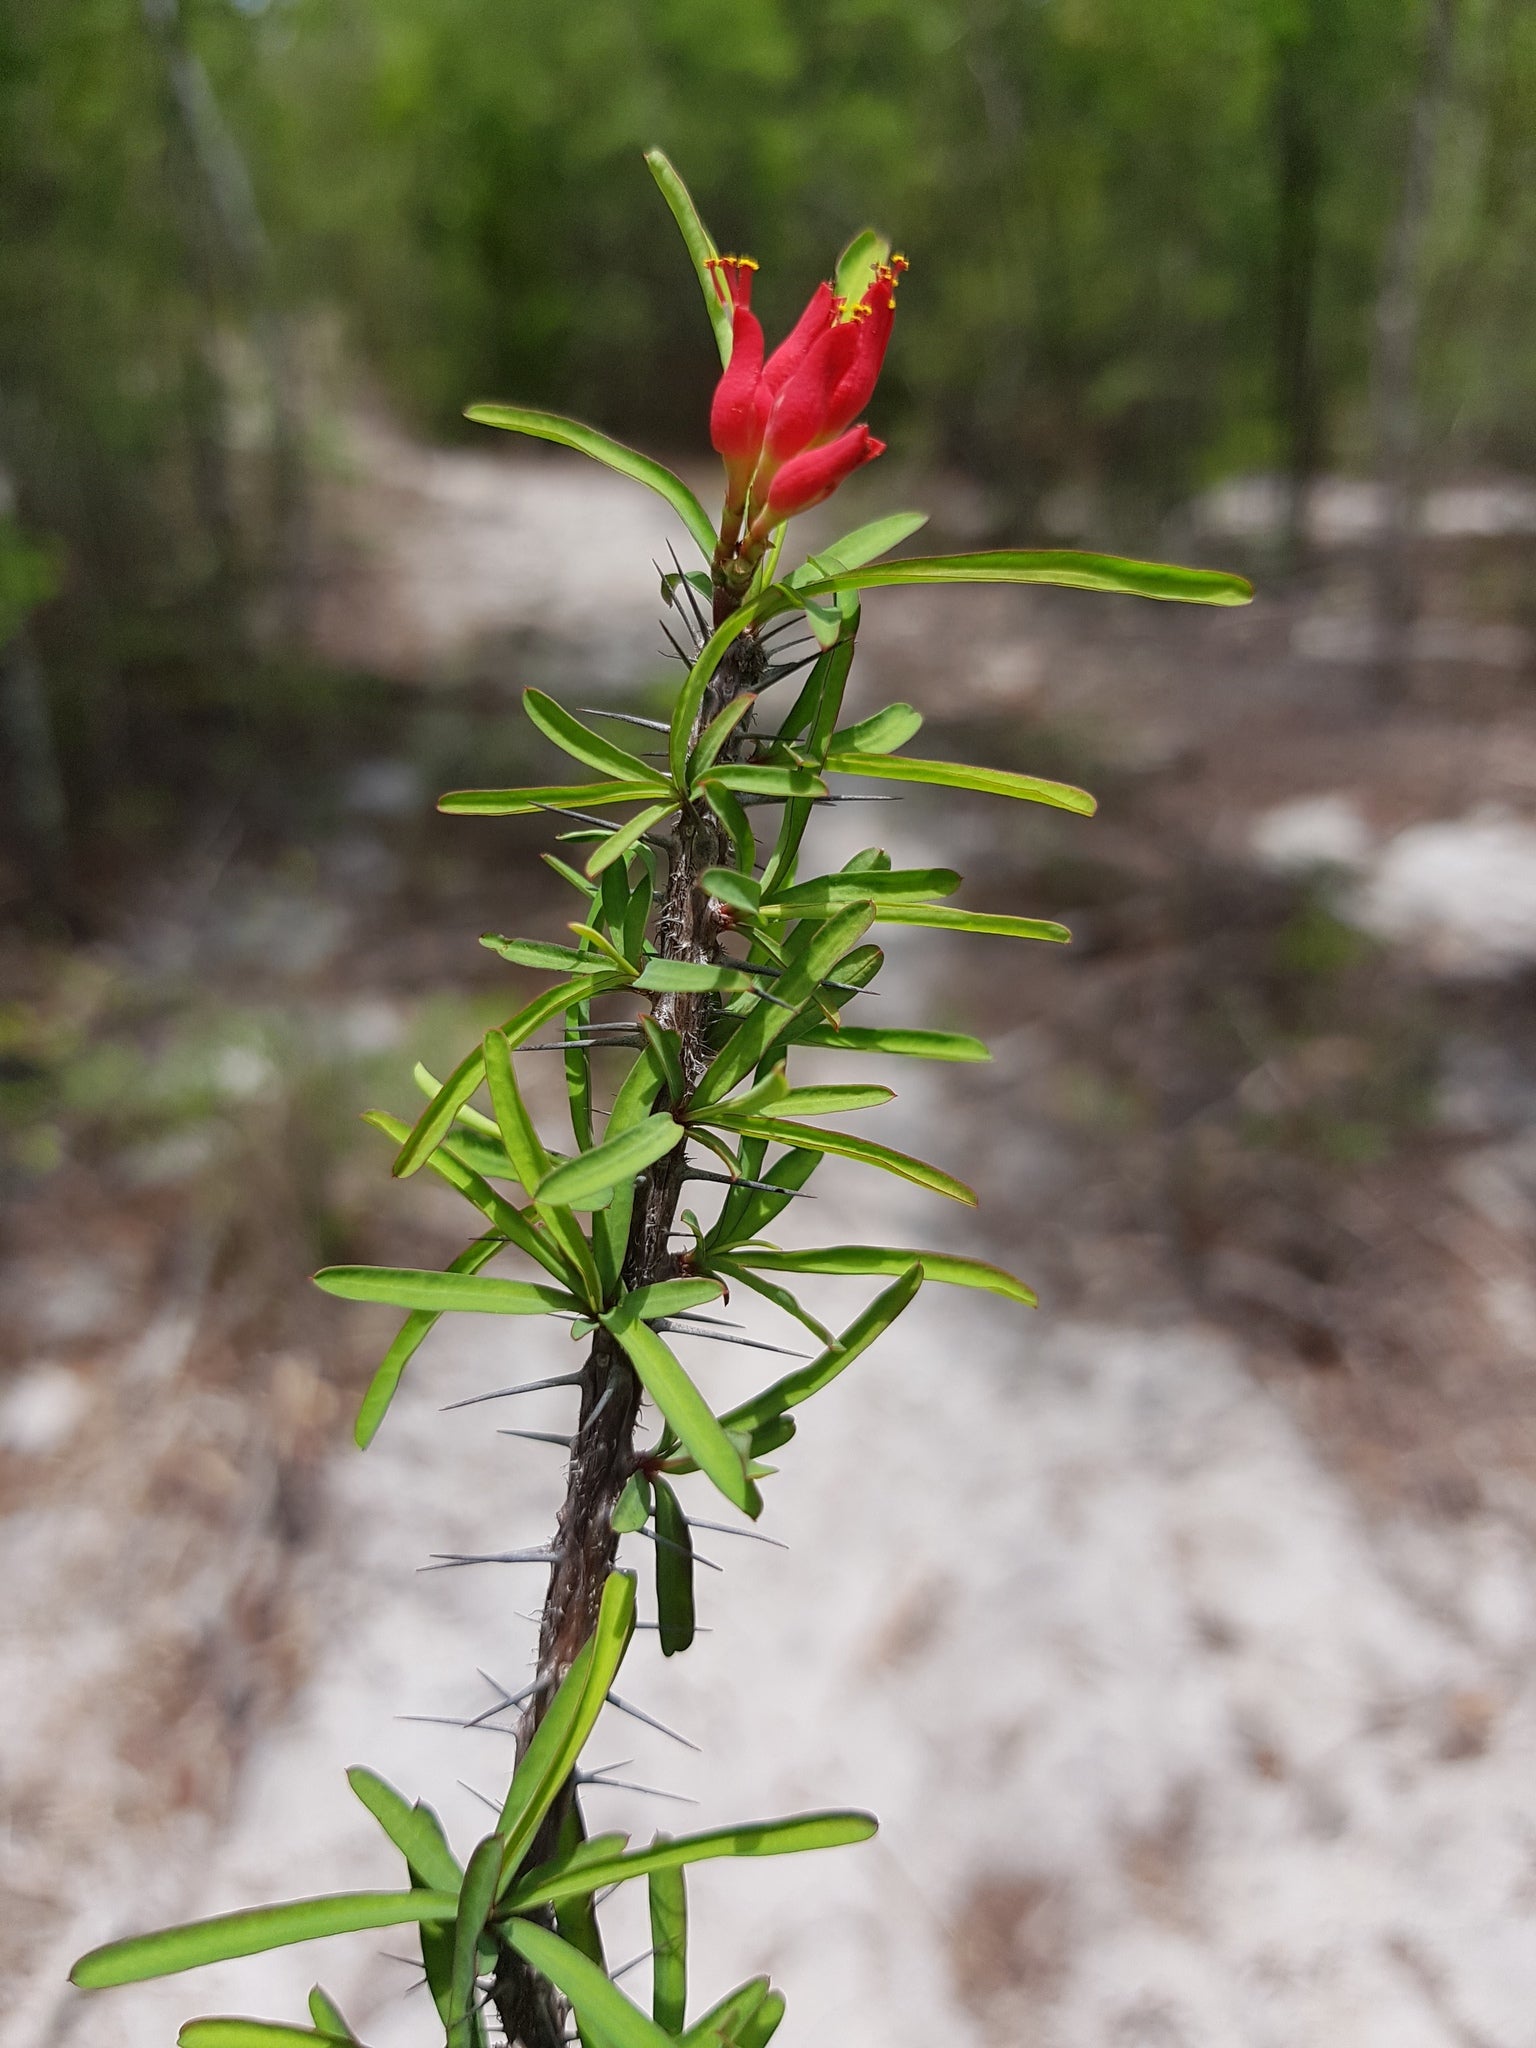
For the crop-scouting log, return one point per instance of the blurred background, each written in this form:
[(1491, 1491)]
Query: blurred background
[(1183, 1637)]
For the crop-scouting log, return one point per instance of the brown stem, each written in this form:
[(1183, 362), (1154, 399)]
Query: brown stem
[(603, 1453)]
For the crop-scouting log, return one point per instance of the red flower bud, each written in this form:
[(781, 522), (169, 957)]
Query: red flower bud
[(805, 480), (741, 403), (872, 333), (799, 416), (793, 349)]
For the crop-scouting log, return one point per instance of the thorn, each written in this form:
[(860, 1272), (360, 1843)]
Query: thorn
[(581, 817), (727, 1529), (539, 1436), (565, 1379), (778, 672), (602, 1402), (682, 1549), (506, 1702), (733, 1180), (624, 718), (633, 1964), (661, 1727), (652, 1626), (445, 1560), (600, 1779), (677, 648), (474, 1793), (720, 1336), (585, 1044), (717, 1322), (693, 601)]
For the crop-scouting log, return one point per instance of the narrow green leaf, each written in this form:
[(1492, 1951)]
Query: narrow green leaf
[(432, 1126), (902, 1164), (882, 733), (781, 1297), (827, 893), (237, 2033), (956, 775), (685, 711), (831, 1101), (576, 1919), (726, 885), (596, 1999), (407, 1342), (476, 1898), (674, 1573), (523, 1144), (415, 1830), (672, 1297), (586, 746), (328, 2017), (752, 780), (715, 735), (858, 263), (863, 544), (441, 1292), (1061, 566), (666, 1051), (948, 1267), (669, 1945), (610, 1227), (618, 845), (450, 1162), (757, 1838), (979, 923), (700, 247), (723, 2026), (549, 426), (747, 1211), (538, 953), (921, 1045), (516, 803), (760, 2029), (632, 1509), (688, 977), (684, 1407), (617, 1159), (816, 1373), (253, 1932), (569, 1719), (753, 1037)]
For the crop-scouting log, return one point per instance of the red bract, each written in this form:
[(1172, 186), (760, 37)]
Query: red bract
[(769, 417), (805, 480)]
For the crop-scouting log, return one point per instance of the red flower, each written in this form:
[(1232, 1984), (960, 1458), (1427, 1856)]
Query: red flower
[(805, 480), (769, 418)]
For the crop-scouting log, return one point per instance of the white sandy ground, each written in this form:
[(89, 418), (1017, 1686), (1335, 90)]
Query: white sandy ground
[(1161, 1730)]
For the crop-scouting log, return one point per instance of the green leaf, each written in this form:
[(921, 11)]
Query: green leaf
[(549, 426), (669, 1946), (980, 923), (882, 733), (716, 733), (689, 698), (1060, 566), (864, 544), (432, 1126), (757, 1032), (699, 245), (672, 1297), (674, 1574), (415, 1830), (878, 1258), (476, 1898), (827, 893), (450, 1162), (758, 1838), (596, 1999), (236, 2033), (632, 1509), (665, 1047), (858, 263), (902, 1164), (253, 1932), (724, 2025), (525, 1148), (616, 1160), (516, 803), (920, 1045), (569, 1719), (538, 953), (746, 1211), (407, 1342), (752, 780), (631, 1106), (579, 741), (441, 1292), (741, 891), (957, 775), (328, 2017), (688, 977), (684, 1407), (816, 1373), (781, 1297), (760, 2029), (618, 845), (732, 814), (576, 1919), (830, 1101)]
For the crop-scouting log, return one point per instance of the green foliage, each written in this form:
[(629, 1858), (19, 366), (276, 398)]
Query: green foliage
[(752, 966)]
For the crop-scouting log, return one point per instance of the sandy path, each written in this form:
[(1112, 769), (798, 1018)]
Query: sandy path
[(1170, 1745)]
